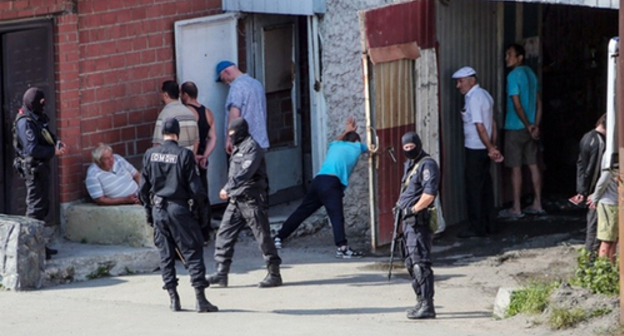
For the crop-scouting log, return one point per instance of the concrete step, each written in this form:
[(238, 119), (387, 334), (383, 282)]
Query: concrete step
[(80, 262)]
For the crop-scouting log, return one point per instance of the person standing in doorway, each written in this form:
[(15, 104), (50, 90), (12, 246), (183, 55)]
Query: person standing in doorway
[(246, 99), (522, 131), (189, 133), (591, 150), (35, 145), (479, 141), (207, 135)]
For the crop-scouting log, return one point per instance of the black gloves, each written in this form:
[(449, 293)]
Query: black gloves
[(408, 212)]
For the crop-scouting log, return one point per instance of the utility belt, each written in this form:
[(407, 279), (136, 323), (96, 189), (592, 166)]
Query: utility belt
[(160, 202), (26, 167), (427, 217)]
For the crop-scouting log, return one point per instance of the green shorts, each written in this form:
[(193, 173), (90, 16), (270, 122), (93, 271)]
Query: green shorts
[(607, 222), (520, 148)]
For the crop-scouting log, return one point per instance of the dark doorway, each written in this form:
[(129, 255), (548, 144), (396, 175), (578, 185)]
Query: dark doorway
[(26, 60), (574, 73)]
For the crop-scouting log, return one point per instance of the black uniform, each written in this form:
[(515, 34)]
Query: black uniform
[(417, 235), (169, 183), (35, 147), (247, 191)]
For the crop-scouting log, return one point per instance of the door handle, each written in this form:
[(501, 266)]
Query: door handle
[(390, 151)]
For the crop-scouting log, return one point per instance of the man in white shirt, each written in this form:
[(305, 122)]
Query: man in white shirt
[(112, 180), (479, 140)]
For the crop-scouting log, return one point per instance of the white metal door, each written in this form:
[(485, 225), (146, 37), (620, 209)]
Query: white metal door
[(201, 44), (274, 63)]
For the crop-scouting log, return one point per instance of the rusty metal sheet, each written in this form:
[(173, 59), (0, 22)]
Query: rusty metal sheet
[(412, 21)]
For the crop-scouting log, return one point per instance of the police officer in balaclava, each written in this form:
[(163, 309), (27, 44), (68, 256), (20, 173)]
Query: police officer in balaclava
[(35, 145), (246, 190), (419, 184)]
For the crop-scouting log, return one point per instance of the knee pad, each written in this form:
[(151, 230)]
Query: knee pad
[(409, 266), (421, 272)]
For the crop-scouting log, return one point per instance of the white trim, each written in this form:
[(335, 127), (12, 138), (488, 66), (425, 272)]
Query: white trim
[(318, 109), (285, 7)]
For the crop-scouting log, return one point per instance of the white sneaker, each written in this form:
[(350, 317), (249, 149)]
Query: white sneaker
[(278, 242), (347, 253)]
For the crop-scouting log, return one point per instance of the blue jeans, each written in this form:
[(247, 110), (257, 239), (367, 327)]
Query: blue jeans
[(327, 191)]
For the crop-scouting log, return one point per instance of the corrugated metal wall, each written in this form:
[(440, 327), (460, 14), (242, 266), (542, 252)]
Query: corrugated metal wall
[(468, 35), (612, 4)]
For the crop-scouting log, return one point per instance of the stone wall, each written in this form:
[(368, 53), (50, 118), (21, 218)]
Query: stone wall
[(343, 89), (22, 252)]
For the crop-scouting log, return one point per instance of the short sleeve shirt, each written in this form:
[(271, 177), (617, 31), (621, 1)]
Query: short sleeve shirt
[(521, 82), (426, 180), (189, 132), (119, 182), (478, 109), (341, 159), (247, 94)]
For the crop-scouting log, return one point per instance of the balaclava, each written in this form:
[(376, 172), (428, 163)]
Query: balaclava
[(32, 100), (412, 137), (238, 130)]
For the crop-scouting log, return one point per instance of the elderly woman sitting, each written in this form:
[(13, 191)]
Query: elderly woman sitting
[(111, 179)]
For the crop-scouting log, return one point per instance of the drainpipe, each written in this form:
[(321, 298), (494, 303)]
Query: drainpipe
[(620, 122)]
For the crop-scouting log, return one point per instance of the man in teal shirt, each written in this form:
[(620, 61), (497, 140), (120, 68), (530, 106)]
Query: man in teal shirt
[(524, 113), (328, 188)]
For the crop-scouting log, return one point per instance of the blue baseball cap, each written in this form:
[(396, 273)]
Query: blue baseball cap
[(222, 66)]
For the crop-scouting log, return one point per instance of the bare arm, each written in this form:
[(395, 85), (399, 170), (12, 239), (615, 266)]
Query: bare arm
[(137, 178), (350, 126), (424, 201), (212, 135), (130, 199), (520, 111)]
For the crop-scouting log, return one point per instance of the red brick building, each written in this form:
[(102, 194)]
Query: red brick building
[(101, 63)]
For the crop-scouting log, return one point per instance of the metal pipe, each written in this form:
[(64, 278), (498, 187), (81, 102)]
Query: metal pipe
[(371, 158)]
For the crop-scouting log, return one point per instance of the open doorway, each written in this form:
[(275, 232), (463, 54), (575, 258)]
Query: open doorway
[(574, 90)]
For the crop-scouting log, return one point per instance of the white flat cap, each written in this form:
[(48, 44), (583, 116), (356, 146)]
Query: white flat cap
[(464, 72)]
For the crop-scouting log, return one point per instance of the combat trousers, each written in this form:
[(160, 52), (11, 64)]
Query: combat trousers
[(174, 225), (245, 210), (591, 240), (479, 191), (417, 241), (38, 192)]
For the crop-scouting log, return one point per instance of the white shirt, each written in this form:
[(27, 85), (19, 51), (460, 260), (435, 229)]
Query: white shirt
[(478, 109), (118, 182)]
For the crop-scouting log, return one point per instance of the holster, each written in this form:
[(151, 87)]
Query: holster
[(26, 167)]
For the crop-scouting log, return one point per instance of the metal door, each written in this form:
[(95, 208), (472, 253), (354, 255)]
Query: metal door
[(273, 42), (201, 44), (27, 61), (393, 89)]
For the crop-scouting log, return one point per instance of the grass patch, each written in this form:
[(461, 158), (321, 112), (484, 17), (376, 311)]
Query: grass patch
[(601, 276), (128, 271), (562, 318), (83, 241), (600, 312), (531, 299), (101, 272)]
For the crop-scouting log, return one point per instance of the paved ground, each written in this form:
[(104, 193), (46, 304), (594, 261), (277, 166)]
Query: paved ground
[(321, 295)]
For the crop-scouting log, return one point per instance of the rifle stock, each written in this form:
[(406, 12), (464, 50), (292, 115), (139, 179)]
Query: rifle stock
[(395, 232)]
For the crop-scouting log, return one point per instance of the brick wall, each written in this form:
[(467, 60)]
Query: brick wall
[(126, 50), (280, 118)]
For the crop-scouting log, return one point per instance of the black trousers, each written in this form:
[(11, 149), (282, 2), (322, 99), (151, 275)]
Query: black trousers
[(591, 240), (327, 191), (38, 192), (174, 225), (417, 241), (249, 210), (479, 191), (203, 176)]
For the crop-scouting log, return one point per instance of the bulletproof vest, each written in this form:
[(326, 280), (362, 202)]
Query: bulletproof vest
[(41, 132)]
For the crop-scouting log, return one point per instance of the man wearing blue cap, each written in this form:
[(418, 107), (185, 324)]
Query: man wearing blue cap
[(480, 143), (246, 100)]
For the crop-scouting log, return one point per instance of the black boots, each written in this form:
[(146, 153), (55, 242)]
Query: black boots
[(175, 300), (423, 310), (203, 306), (273, 278), (220, 278)]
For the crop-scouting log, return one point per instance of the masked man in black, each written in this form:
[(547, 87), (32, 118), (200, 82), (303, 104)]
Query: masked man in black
[(170, 185), (35, 146), (419, 189), (247, 192)]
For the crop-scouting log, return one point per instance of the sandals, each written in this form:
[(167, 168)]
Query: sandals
[(530, 211), (507, 213)]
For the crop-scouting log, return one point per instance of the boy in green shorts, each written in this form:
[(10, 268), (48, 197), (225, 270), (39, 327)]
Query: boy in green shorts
[(606, 196)]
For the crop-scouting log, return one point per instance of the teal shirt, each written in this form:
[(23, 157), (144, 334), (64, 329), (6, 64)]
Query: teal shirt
[(522, 82), (341, 158)]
